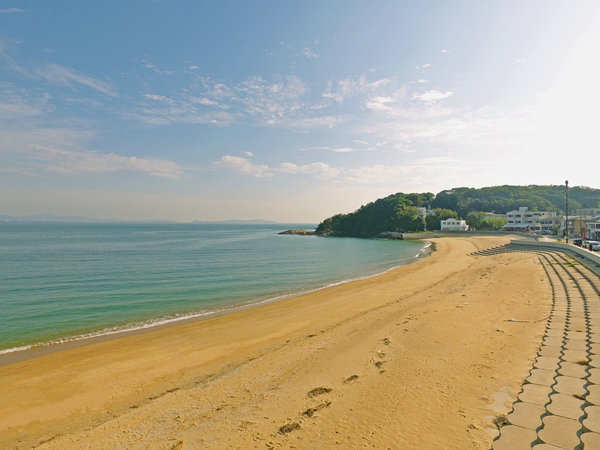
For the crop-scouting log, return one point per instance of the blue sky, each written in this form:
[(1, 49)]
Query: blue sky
[(290, 111)]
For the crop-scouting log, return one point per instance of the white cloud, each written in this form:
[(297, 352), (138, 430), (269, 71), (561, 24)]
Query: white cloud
[(380, 103), (206, 102), (243, 165), (318, 169), (310, 54), (342, 150), (239, 164), (349, 88), (151, 66), (321, 147), (158, 98), (66, 76), (332, 149), (11, 11), (433, 96)]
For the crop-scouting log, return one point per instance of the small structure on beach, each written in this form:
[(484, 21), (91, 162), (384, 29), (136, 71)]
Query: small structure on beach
[(454, 225)]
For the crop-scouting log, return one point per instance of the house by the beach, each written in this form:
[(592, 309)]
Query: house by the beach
[(454, 225), (593, 229), (577, 226), (534, 221)]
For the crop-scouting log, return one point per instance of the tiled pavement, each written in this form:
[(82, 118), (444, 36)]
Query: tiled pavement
[(559, 404)]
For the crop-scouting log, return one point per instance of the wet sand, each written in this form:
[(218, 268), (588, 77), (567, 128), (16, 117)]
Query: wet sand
[(423, 356)]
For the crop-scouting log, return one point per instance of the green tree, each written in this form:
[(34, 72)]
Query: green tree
[(492, 223), (474, 219), (433, 219)]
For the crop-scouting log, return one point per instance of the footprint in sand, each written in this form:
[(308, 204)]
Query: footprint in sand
[(319, 391), (350, 379), (311, 411), (379, 365), (288, 428)]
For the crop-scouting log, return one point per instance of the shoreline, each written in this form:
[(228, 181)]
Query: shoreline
[(21, 353), (421, 355)]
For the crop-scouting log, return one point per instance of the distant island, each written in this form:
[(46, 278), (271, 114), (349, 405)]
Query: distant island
[(481, 208), (52, 218)]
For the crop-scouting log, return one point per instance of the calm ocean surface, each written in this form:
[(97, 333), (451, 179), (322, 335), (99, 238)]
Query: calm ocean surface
[(59, 281)]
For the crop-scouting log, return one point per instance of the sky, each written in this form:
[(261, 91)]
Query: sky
[(289, 111)]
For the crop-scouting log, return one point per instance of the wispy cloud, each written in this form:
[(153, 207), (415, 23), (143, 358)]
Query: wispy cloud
[(14, 105), (77, 162), (331, 149), (343, 150), (239, 164), (417, 172), (12, 11), (243, 165), (157, 109), (271, 102), (320, 170), (309, 53), (281, 103), (352, 87), (148, 64), (433, 96), (66, 76), (33, 141)]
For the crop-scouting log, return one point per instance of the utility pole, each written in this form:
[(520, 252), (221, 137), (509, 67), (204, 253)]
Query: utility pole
[(567, 210)]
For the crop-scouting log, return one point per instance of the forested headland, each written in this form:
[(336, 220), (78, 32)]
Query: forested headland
[(400, 212)]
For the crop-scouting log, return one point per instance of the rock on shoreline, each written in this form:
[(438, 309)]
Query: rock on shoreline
[(300, 232)]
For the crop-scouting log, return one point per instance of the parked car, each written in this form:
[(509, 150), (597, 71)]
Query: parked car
[(595, 246), (585, 244), (577, 242)]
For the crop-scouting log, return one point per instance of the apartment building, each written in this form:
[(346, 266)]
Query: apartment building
[(542, 222)]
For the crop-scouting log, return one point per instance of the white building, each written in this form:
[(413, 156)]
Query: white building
[(542, 222), (454, 225)]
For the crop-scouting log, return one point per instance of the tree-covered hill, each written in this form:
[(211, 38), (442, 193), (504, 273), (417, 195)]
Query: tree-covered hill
[(500, 199), (399, 212)]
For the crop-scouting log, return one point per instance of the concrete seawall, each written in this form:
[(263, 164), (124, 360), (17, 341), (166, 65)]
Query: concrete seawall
[(590, 259)]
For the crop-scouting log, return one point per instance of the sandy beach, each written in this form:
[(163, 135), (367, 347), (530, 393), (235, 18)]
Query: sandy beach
[(423, 357)]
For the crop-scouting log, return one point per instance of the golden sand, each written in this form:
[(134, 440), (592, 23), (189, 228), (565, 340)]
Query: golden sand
[(423, 356)]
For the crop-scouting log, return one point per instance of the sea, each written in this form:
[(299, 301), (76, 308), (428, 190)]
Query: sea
[(62, 282)]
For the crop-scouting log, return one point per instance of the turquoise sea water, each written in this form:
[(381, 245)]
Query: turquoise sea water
[(62, 281)]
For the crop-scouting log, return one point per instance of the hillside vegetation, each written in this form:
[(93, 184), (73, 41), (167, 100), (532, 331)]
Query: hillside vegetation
[(399, 212)]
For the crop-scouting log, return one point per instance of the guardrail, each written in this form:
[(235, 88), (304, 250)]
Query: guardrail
[(593, 260)]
